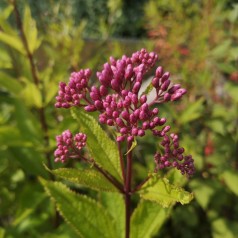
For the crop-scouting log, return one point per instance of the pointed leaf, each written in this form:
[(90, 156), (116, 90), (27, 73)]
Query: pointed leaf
[(147, 219), (31, 94), (161, 191), (9, 83), (102, 148), (30, 30), (85, 177), (134, 144), (114, 203), (231, 178), (192, 112), (85, 215), (12, 41)]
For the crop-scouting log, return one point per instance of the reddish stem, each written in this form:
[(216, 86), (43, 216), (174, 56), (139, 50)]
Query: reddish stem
[(121, 161), (127, 187), (108, 176)]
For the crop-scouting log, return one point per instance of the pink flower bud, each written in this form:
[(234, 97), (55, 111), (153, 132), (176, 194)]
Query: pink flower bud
[(156, 82), (90, 108)]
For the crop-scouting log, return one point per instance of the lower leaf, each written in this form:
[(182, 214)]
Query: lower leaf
[(147, 219), (85, 215), (161, 191)]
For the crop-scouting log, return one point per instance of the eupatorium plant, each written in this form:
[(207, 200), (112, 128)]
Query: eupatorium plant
[(120, 103)]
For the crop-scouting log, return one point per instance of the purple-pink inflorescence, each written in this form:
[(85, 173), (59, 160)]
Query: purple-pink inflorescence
[(173, 156), (67, 145), (118, 98)]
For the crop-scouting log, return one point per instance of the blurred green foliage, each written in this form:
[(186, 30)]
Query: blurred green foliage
[(196, 41)]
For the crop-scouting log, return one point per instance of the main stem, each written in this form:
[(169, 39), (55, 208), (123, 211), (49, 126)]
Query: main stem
[(127, 187)]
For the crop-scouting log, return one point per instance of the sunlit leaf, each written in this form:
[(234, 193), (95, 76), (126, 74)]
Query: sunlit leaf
[(192, 111), (115, 205), (231, 178), (9, 83), (30, 30), (85, 177), (202, 192), (85, 215), (147, 219), (161, 191), (224, 228), (12, 41), (10, 136), (31, 94), (134, 144), (102, 148)]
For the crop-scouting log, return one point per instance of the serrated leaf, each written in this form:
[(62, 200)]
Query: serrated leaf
[(115, 205), (84, 214), (161, 191), (103, 150), (9, 83), (12, 41), (85, 177), (147, 219)]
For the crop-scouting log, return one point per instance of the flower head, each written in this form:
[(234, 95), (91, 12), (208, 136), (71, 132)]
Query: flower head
[(120, 103), (67, 145), (173, 156)]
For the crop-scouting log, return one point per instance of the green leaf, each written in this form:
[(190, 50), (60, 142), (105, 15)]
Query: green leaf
[(161, 191), (115, 205), (11, 136), (30, 30), (224, 228), (85, 177), (203, 192), (31, 94), (12, 41), (2, 232), (103, 150), (9, 83), (134, 144), (147, 219), (148, 89), (85, 215), (232, 90), (231, 178), (217, 126), (221, 49), (192, 112)]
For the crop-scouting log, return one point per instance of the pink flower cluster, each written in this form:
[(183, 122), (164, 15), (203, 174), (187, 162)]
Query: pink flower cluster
[(173, 156), (118, 99), (67, 145)]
